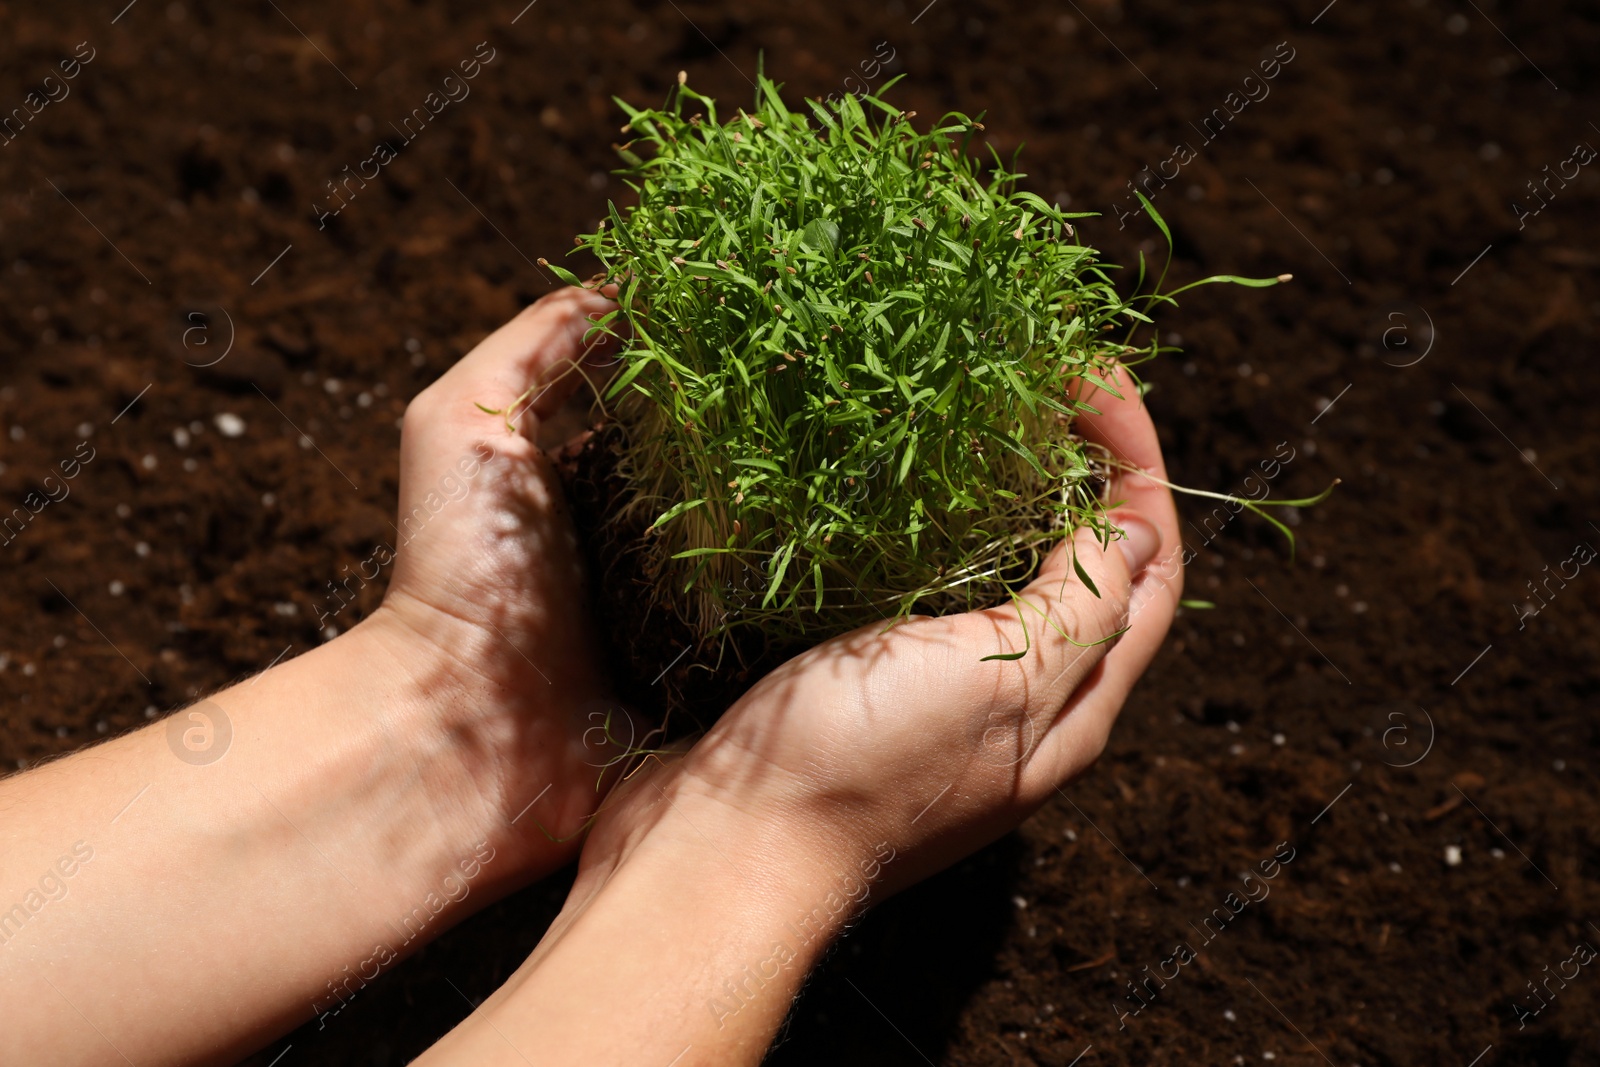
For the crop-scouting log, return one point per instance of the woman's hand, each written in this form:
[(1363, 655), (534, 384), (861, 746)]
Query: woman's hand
[(356, 800), (487, 594), (711, 882), (913, 738)]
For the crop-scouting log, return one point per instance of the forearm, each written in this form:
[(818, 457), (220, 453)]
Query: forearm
[(692, 943), (181, 908)]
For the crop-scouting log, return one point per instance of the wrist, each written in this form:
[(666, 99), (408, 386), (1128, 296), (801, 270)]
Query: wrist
[(817, 874), (323, 798), (702, 917), (440, 745)]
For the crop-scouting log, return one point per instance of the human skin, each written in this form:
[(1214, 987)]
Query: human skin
[(410, 769), (713, 880), (365, 781)]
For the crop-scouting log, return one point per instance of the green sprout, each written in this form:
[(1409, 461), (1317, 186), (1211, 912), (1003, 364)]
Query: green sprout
[(851, 354)]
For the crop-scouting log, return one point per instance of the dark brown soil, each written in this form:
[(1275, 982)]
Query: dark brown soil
[(1381, 169)]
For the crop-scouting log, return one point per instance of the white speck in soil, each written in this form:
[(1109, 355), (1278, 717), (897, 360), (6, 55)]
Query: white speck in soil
[(229, 424)]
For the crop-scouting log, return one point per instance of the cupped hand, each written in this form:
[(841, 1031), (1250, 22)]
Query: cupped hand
[(487, 591), (908, 738)]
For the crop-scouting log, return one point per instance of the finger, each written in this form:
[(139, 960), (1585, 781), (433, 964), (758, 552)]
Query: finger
[(1085, 721), (1058, 603), (559, 373), (1123, 427), (1060, 623), (526, 369)]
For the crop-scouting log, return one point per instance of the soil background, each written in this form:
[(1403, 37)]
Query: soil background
[(1392, 670)]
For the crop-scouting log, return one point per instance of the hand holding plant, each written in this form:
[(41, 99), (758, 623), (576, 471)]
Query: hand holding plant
[(914, 733), (487, 581), (707, 864)]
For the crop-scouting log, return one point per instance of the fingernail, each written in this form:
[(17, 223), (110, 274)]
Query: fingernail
[(1139, 542)]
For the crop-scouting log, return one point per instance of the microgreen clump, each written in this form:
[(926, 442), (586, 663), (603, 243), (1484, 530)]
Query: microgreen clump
[(851, 354)]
